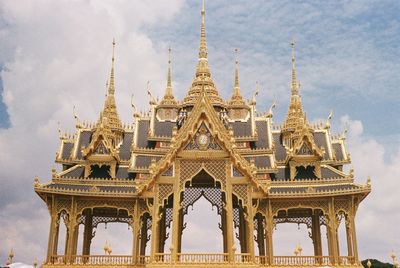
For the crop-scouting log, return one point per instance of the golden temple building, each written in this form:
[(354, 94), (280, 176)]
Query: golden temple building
[(255, 173)]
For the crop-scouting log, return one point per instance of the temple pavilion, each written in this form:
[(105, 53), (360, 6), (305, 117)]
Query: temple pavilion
[(256, 175)]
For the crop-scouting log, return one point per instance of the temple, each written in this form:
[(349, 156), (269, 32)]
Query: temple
[(256, 175)]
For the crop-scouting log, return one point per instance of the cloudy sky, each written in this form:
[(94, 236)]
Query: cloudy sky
[(56, 54)]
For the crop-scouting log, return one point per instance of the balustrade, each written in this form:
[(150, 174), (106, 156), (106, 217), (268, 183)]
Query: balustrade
[(200, 258)]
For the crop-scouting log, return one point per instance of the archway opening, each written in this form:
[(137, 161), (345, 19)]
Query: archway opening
[(202, 215)]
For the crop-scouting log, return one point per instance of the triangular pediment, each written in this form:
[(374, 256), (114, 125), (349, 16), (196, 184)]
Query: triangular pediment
[(306, 147), (203, 120), (100, 147)]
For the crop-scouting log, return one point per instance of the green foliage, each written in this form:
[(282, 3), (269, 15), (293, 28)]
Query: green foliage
[(376, 264)]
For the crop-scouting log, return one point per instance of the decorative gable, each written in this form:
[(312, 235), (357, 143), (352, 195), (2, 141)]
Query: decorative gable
[(203, 140)]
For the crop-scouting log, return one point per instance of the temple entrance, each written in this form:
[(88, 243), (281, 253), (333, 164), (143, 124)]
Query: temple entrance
[(199, 220)]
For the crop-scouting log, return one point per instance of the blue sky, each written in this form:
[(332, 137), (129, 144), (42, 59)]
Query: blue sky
[(56, 55)]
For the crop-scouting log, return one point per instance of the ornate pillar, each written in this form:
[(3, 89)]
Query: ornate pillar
[(143, 235), (75, 240), (229, 220), (269, 228), (354, 237), (242, 231), (332, 229), (181, 227), (223, 229), (87, 233), (260, 235), (349, 237), (155, 219), (53, 238), (176, 207), (250, 225), (135, 233), (316, 233), (162, 231)]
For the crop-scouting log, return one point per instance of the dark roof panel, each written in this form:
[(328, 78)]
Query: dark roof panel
[(280, 150), (144, 161), (263, 132), (125, 148), (283, 174), (241, 129), (260, 161), (320, 139), (67, 149), (84, 140), (143, 130), (337, 147), (327, 173), (74, 172), (163, 129)]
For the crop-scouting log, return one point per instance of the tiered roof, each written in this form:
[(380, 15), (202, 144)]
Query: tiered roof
[(296, 159)]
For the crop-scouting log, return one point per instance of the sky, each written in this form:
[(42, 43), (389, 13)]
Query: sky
[(55, 55)]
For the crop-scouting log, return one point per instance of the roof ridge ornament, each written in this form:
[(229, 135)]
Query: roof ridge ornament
[(236, 98), (169, 98)]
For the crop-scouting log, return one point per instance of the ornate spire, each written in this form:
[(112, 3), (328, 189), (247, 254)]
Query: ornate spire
[(295, 117), (202, 66), (111, 86), (109, 118), (237, 98), (203, 43), (169, 96), (294, 81), (203, 80)]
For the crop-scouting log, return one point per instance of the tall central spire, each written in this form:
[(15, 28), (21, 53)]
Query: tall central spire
[(109, 117), (202, 66), (203, 43), (202, 80), (111, 87), (294, 81), (295, 118)]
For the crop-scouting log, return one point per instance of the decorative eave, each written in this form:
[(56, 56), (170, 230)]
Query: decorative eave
[(313, 192)]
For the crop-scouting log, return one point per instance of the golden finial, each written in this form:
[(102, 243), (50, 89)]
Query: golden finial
[(111, 86), (369, 264), (35, 263), (78, 122), (11, 255), (294, 81), (152, 99), (256, 92), (236, 72), (169, 80), (203, 43)]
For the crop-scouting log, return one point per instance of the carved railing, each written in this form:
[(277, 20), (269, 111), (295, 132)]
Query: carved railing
[(202, 258), (58, 259), (243, 258), (142, 260), (346, 260), (262, 260), (102, 260), (302, 260), (162, 258)]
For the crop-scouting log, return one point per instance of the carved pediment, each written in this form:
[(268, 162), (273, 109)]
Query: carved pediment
[(203, 140)]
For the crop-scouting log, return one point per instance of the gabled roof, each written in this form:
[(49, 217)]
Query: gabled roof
[(203, 110)]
